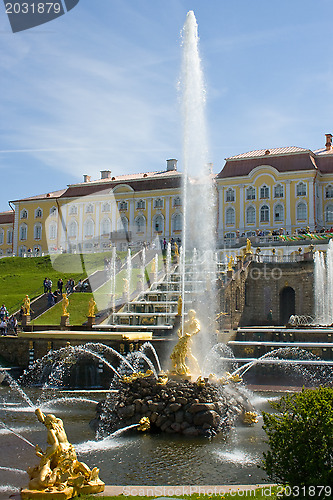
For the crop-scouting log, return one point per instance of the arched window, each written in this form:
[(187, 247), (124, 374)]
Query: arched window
[(53, 211), (24, 214), (250, 215), (158, 203), (38, 213), (329, 213), (52, 231), (278, 213), (264, 192), (329, 192), (278, 191), (264, 213), (122, 224), (88, 228), (301, 212), (22, 250), (301, 189), (90, 208), (230, 216), (230, 195), (177, 222), (37, 231), (140, 224), (106, 226), (72, 229), (141, 205), (177, 202), (9, 236), (23, 232), (158, 223), (251, 193), (106, 207), (2, 234)]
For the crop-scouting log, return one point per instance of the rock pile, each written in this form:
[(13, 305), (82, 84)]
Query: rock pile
[(178, 407)]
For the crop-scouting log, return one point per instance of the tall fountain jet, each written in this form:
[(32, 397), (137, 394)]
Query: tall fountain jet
[(198, 192)]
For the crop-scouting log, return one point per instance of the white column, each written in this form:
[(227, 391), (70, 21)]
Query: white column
[(288, 207), (167, 217), (97, 221), (80, 217), (149, 201), (131, 216), (16, 228), (311, 207), (241, 209)]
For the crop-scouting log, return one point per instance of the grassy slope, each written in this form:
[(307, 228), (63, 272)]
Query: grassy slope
[(78, 310)]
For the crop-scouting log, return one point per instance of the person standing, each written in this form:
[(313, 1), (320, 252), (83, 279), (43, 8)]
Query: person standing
[(60, 285)]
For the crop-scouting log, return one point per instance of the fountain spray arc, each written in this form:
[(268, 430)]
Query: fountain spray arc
[(198, 191)]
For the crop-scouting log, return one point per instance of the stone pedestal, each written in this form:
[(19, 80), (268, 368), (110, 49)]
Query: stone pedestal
[(230, 273), (91, 321), (26, 319), (64, 321), (52, 493)]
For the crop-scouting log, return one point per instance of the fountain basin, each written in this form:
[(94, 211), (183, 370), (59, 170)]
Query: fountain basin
[(175, 407)]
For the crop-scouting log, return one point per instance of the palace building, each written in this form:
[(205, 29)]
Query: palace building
[(270, 190)]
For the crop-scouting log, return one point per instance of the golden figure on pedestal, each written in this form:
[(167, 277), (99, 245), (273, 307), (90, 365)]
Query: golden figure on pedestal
[(26, 305), (92, 308), (59, 474), (182, 349), (248, 248), (65, 304)]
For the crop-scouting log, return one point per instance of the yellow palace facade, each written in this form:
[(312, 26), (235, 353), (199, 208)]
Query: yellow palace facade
[(271, 190)]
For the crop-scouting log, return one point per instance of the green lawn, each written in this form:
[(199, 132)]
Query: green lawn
[(78, 311)]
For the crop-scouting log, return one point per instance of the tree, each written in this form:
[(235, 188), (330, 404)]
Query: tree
[(300, 438)]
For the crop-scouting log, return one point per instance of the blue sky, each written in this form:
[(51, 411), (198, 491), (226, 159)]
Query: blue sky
[(97, 88)]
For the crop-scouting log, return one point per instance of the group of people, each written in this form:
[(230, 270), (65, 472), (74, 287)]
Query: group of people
[(8, 324)]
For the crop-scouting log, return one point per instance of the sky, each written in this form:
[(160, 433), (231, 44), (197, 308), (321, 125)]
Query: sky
[(97, 88)]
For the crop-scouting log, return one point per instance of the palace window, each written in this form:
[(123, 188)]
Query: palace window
[(250, 215), (73, 210), (140, 224), (301, 212), (123, 205), (141, 205), (230, 195), (177, 222), (301, 189), (53, 211), (278, 213), (24, 214), (122, 225), (264, 192), (9, 236), (264, 213), (158, 224), (329, 213), (38, 213), (278, 191), (177, 202), (72, 229), (230, 216), (329, 192), (106, 226), (90, 208), (251, 193), (23, 232), (106, 207), (1, 237), (158, 203), (88, 228), (53, 231), (37, 231)]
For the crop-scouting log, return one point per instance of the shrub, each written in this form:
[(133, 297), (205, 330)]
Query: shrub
[(300, 438)]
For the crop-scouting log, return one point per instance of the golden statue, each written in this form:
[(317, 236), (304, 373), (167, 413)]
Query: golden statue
[(179, 305), (126, 286), (26, 305), (92, 308), (65, 303), (144, 424), (230, 263), (182, 349), (59, 474), (176, 250), (250, 418), (248, 248)]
